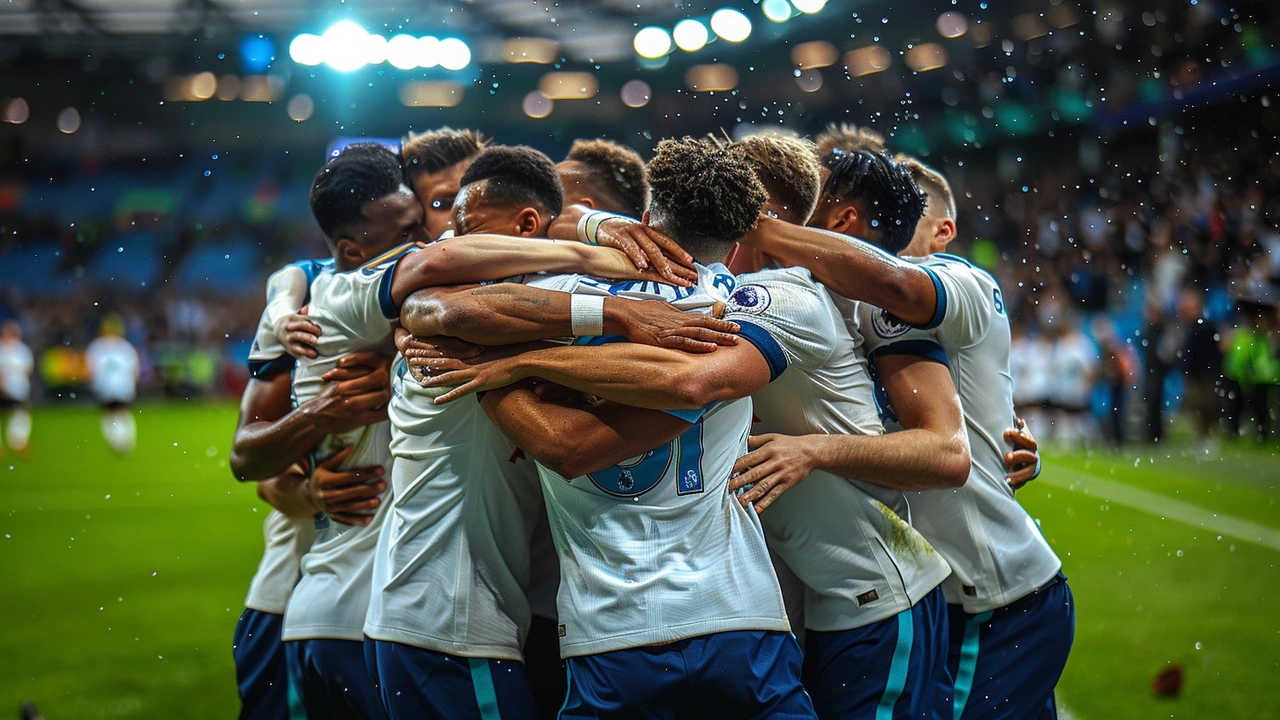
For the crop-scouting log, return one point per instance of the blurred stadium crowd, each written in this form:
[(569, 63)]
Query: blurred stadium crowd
[(1139, 252)]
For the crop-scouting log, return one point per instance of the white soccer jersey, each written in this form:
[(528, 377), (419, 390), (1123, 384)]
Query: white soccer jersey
[(355, 313), (452, 564), (285, 539), (996, 552), (656, 549), (113, 369), (845, 539), (16, 364)]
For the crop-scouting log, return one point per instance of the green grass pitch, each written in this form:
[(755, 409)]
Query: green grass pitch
[(123, 577)]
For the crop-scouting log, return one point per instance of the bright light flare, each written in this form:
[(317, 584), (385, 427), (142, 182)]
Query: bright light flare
[(731, 25)]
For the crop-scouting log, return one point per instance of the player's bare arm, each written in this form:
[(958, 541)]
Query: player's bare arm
[(506, 313), (270, 434), (480, 258), (573, 439), (645, 246), (931, 452), (670, 379), (850, 267)]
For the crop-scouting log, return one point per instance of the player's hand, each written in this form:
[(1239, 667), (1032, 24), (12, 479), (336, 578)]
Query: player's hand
[(1023, 462), (417, 351), (348, 496), (469, 376), (356, 393), (654, 322), (298, 334), (775, 464), (648, 248)]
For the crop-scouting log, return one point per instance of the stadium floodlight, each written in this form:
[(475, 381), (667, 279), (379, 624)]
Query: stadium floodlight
[(375, 49), (690, 35), (778, 11), (307, 49), (652, 42), (454, 54), (344, 46), (402, 52), (428, 52), (809, 7), (731, 25)]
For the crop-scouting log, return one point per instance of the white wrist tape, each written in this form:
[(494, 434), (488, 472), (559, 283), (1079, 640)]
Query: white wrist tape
[(589, 225), (586, 315)]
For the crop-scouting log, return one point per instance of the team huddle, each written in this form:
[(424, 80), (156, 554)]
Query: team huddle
[(724, 435)]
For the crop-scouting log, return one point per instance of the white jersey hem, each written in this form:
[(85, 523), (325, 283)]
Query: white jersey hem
[(321, 632), (450, 647), (662, 636), (979, 604)]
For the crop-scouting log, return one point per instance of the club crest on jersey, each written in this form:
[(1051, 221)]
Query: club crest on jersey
[(887, 325), (753, 299), (690, 482)]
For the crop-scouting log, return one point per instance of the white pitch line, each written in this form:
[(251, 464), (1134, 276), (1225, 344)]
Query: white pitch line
[(1162, 506)]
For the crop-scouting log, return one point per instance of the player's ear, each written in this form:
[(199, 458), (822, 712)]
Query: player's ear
[(349, 252), (844, 220), (945, 231), (586, 201), (528, 223), (645, 217)]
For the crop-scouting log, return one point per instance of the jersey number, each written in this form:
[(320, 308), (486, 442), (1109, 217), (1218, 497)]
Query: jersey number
[(995, 294), (639, 475)]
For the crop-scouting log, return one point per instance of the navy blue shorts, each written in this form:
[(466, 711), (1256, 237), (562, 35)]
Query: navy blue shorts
[(740, 674), (262, 675), (1007, 661), (895, 668), (418, 683), (333, 680)]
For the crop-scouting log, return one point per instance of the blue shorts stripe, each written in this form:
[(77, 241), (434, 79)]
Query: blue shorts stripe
[(296, 709), (899, 667), (968, 663), (482, 683), (568, 688)]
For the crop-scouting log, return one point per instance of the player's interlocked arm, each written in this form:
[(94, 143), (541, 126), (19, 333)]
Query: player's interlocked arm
[(850, 267), (506, 313), (628, 373), (271, 435), (574, 439), (931, 452), (646, 247), (481, 258)]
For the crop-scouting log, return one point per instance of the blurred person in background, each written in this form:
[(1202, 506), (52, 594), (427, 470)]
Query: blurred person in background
[(1251, 367), (1160, 342), (434, 163), (1201, 362), (1029, 364), (16, 366), (1119, 370), (1074, 368), (114, 367)]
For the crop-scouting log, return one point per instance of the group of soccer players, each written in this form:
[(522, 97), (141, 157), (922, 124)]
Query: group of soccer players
[(693, 422)]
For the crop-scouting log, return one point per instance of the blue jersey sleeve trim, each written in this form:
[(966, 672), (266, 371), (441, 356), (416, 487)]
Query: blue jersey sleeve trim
[(767, 346), (940, 309), (692, 416), (926, 349), (390, 309), (265, 369)]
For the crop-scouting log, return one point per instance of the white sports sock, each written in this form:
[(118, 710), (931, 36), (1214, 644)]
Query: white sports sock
[(18, 432)]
